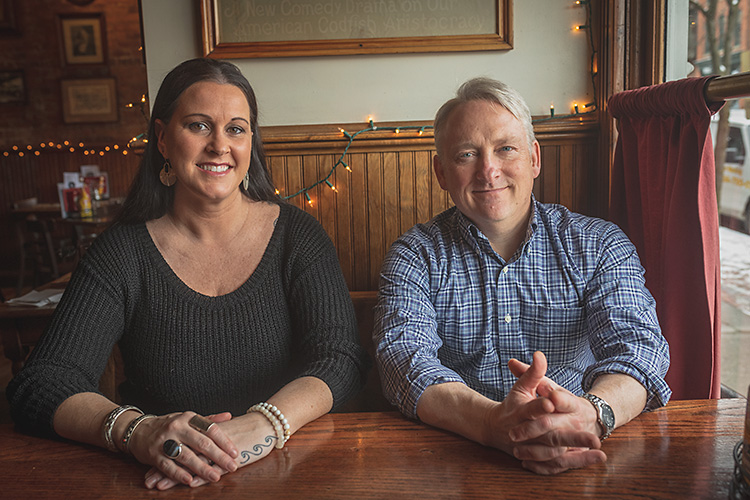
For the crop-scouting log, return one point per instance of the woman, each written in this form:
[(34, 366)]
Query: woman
[(222, 299)]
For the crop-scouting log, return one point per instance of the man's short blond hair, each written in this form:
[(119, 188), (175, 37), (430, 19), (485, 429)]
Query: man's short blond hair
[(485, 89)]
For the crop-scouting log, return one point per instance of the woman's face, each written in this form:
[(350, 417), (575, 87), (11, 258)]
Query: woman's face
[(208, 140)]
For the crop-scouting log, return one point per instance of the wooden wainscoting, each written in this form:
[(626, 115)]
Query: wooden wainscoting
[(390, 188), (391, 185)]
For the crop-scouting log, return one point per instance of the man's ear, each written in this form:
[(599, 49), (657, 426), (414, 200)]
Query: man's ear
[(536, 159), (438, 168)]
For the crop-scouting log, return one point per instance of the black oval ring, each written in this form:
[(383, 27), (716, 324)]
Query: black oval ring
[(172, 448)]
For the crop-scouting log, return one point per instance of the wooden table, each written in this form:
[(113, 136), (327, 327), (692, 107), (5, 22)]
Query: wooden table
[(22, 325), (38, 210), (682, 451)]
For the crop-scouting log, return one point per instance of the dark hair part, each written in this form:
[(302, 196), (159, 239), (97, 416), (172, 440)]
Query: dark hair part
[(148, 198), (485, 89)]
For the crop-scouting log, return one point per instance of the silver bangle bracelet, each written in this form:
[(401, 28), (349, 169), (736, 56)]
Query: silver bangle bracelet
[(109, 424), (131, 429)]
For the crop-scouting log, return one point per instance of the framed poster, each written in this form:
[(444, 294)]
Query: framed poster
[(12, 87), (268, 28), (89, 100), (83, 39)]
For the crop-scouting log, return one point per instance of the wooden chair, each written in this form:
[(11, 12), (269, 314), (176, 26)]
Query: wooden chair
[(36, 248), (370, 398), (43, 246)]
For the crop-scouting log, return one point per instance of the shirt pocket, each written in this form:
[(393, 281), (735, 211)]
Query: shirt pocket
[(467, 347), (559, 332)]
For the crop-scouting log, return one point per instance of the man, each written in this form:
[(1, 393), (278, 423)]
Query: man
[(501, 280)]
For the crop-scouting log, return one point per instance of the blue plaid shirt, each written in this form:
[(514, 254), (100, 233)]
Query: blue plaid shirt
[(450, 309)]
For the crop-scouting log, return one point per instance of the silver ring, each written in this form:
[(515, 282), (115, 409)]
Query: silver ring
[(172, 448), (199, 423)]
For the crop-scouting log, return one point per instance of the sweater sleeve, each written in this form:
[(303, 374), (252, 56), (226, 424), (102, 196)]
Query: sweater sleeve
[(73, 352), (322, 311)]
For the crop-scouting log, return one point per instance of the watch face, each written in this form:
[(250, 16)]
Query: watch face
[(608, 417)]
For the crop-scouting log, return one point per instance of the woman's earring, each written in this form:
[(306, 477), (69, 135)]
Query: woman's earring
[(246, 180), (167, 175)]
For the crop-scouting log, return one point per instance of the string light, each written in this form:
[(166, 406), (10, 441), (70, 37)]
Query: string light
[(64, 146), (340, 162), (69, 147), (589, 107), (67, 144)]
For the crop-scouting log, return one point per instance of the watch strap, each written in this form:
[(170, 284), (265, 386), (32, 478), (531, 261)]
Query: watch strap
[(599, 404)]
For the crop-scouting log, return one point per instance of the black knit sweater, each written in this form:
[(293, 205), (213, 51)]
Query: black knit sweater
[(186, 351)]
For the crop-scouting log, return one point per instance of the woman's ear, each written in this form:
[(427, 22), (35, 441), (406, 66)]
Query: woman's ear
[(160, 130)]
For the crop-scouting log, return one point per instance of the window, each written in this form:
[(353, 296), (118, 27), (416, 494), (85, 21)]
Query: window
[(735, 146), (685, 21)]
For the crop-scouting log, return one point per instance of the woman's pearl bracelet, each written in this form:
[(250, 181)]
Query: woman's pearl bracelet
[(277, 419)]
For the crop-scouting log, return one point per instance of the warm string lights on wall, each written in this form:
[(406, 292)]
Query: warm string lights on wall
[(73, 146), (577, 110), (588, 107), (340, 162), (141, 106), (37, 150)]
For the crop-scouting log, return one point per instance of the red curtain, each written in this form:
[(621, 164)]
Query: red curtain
[(664, 198)]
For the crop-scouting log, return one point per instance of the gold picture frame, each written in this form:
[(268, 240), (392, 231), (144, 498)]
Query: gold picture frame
[(83, 39), (267, 28), (89, 100)]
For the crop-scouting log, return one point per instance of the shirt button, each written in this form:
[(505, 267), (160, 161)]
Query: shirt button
[(505, 270), (507, 318)]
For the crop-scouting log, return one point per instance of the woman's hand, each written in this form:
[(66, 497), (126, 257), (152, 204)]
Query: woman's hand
[(197, 448), (254, 437), (252, 434)]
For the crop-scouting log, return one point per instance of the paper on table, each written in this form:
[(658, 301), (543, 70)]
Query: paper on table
[(37, 298)]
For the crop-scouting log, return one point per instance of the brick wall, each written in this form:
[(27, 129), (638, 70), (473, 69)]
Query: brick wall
[(33, 45), (36, 49)]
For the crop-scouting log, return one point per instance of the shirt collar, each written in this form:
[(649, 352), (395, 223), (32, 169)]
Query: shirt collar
[(479, 242)]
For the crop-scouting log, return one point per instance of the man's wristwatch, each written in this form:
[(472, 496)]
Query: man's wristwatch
[(604, 414)]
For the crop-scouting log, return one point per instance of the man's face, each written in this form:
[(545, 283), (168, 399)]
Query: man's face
[(486, 164)]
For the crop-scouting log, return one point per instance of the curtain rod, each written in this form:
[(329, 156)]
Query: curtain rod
[(728, 87)]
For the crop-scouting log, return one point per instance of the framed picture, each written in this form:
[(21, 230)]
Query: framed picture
[(98, 184), (83, 39), (89, 100), (267, 28), (12, 88), (7, 18)]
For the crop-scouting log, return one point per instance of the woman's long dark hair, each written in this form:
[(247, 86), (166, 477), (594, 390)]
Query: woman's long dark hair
[(148, 198)]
